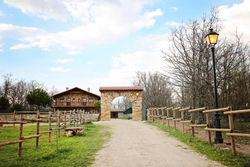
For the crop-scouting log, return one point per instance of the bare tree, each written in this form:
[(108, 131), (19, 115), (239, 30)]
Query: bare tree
[(189, 64), (157, 91)]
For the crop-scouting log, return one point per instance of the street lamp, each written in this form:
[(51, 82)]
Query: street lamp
[(212, 38)]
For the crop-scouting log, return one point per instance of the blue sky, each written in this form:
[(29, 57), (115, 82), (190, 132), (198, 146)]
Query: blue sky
[(67, 43)]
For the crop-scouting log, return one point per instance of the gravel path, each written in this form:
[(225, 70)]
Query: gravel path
[(134, 143)]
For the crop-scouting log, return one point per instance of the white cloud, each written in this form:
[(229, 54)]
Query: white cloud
[(89, 62), (1, 13), (1, 47), (174, 8), (45, 9), (60, 69), (235, 18), (63, 61), (147, 59), (173, 24), (99, 21)]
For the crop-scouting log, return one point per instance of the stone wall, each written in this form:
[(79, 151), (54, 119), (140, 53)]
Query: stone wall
[(87, 117), (134, 96)]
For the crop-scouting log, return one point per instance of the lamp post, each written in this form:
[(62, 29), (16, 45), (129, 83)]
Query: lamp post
[(211, 39)]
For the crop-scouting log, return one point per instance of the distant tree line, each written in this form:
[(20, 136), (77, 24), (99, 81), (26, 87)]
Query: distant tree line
[(21, 95)]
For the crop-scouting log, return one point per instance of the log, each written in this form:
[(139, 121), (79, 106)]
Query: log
[(218, 110), (238, 112), (170, 118), (218, 130), (198, 125), (28, 119), (12, 122), (6, 113), (197, 109), (186, 121), (43, 132), (177, 119), (10, 142), (238, 134), (177, 108), (26, 112), (186, 108), (30, 137)]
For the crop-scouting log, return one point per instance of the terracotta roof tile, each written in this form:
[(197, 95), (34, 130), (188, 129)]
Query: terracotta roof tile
[(75, 88), (113, 88)]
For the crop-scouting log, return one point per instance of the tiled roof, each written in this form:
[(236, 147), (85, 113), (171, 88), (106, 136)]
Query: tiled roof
[(75, 88), (113, 88)]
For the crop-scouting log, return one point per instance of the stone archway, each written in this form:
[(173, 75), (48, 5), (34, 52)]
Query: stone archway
[(134, 94)]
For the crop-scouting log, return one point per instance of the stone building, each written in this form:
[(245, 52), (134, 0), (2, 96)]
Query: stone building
[(75, 98), (133, 93)]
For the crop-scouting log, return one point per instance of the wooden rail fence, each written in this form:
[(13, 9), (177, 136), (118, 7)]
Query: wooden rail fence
[(74, 117), (155, 115)]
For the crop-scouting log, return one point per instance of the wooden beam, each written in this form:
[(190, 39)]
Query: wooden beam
[(186, 121), (30, 137), (238, 134), (12, 122), (238, 112), (197, 109), (218, 110), (198, 125), (218, 130), (186, 108), (10, 142)]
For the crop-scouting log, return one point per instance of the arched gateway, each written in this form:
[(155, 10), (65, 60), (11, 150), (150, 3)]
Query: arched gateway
[(134, 94)]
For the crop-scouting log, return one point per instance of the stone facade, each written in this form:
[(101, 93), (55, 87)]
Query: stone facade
[(134, 95)]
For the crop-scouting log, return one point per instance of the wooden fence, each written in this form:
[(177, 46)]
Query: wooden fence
[(74, 117), (160, 116)]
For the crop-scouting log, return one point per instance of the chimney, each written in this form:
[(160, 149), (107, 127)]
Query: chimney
[(67, 88), (88, 89)]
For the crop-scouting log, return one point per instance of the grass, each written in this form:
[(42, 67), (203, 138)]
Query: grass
[(223, 156), (72, 151)]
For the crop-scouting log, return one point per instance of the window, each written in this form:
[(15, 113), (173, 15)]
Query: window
[(84, 100), (91, 100), (61, 100), (68, 99), (79, 100), (73, 100)]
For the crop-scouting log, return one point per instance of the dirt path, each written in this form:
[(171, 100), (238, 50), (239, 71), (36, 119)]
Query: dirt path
[(134, 143)]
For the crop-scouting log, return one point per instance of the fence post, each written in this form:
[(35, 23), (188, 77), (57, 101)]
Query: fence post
[(14, 117), (174, 117), (50, 129), (182, 118), (74, 117), (37, 128), (192, 121), (231, 126), (58, 123), (20, 138), (208, 125), (65, 122), (168, 116)]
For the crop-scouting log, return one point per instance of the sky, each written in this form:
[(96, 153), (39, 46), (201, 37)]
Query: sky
[(93, 43)]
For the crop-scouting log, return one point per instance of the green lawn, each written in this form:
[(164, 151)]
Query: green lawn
[(72, 151), (223, 156)]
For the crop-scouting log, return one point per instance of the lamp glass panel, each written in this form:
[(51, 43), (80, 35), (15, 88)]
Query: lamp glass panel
[(213, 39)]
